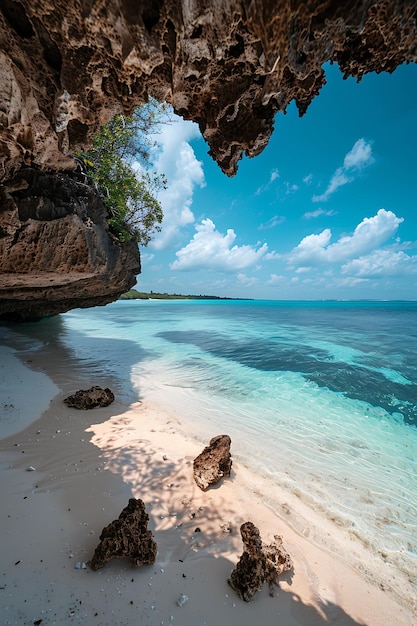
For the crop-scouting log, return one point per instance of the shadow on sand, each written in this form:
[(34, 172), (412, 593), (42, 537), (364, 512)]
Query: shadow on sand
[(192, 539)]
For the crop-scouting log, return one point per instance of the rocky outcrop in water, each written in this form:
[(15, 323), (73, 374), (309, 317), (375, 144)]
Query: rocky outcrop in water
[(258, 564), (213, 463), (67, 66), (92, 398), (127, 537)]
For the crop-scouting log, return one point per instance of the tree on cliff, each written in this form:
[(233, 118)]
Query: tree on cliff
[(118, 162)]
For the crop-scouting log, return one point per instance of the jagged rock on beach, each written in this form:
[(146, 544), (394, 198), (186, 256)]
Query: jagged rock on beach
[(213, 463), (90, 398), (258, 564), (127, 537)]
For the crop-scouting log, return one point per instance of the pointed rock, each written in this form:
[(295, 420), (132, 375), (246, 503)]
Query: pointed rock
[(258, 564), (127, 537)]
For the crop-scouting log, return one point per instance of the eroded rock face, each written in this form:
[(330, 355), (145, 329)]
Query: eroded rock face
[(213, 463), (258, 564), (67, 66), (92, 398), (127, 537), (56, 251)]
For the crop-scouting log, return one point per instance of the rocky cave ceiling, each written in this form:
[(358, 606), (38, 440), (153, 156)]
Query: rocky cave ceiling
[(67, 66)]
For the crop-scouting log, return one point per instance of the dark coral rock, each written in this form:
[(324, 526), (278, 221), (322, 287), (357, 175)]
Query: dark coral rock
[(258, 564), (127, 538), (90, 398), (213, 463)]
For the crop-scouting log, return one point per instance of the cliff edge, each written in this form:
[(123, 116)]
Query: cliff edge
[(56, 250)]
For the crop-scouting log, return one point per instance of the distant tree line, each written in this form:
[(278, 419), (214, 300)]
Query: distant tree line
[(134, 294)]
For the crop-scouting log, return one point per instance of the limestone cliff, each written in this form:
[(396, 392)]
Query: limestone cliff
[(230, 65), (56, 251), (67, 65)]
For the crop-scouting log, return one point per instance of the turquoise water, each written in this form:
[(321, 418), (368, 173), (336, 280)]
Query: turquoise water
[(320, 398)]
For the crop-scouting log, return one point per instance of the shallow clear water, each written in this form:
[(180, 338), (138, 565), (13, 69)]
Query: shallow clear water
[(320, 397)]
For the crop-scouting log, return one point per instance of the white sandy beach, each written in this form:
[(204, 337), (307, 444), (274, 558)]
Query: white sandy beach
[(87, 464)]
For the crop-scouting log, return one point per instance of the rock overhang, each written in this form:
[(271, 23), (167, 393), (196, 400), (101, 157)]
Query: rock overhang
[(67, 66)]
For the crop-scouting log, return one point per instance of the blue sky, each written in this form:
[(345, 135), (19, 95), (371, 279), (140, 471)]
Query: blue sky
[(328, 210)]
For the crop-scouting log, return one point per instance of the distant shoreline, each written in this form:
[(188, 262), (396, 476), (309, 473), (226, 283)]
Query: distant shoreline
[(134, 294)]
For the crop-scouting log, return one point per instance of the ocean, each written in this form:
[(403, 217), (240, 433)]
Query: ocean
[(319, 398)]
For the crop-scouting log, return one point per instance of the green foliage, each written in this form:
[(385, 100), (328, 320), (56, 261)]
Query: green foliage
[(118, 163), (134, 294)]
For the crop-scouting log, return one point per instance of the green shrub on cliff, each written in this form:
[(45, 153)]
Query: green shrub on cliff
[(118, 162)]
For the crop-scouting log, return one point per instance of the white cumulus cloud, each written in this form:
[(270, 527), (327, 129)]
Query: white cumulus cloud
[(360, 156), (272, 256), (357, 159), (246, 281), (176, 159), (211, 250), (371, 233), (381, 263), (276, 279)]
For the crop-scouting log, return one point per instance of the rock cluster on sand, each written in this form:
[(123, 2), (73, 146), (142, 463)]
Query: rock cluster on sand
[(213, 463), (258, 564), (127, 537), (90, 398)]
